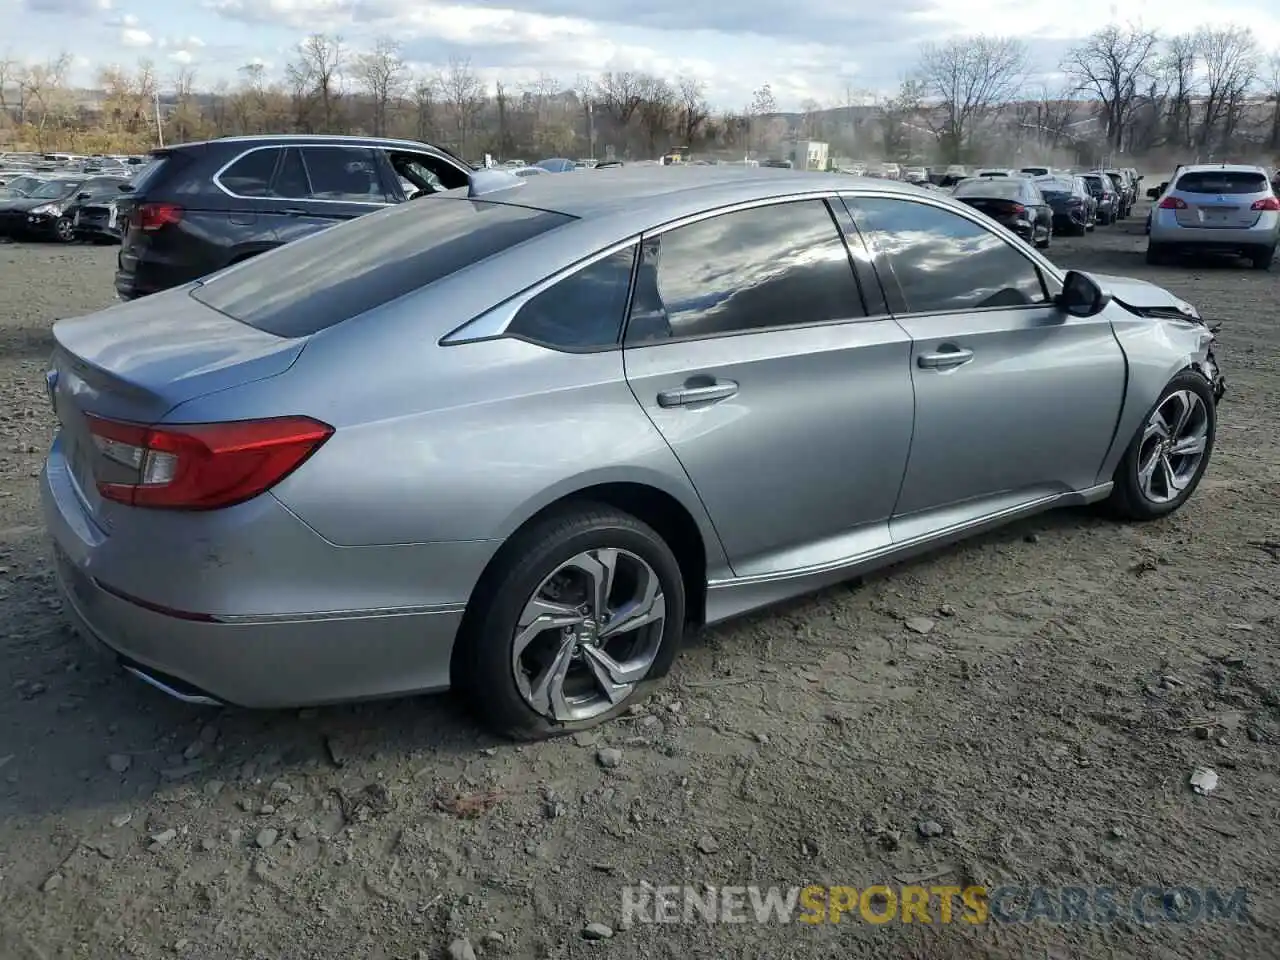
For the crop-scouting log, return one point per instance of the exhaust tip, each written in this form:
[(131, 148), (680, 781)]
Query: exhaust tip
[(174, 687)]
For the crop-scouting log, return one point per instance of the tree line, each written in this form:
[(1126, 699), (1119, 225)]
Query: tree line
[(1214, 92)]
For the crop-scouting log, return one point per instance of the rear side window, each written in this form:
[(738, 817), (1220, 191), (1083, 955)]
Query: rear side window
[(343, 174), (583, 311), (1221, 181), (250, 176), (322, 280)]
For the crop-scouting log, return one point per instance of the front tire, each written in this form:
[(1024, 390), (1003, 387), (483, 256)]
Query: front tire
[(64, 231), (1169, 453), (577, 616)]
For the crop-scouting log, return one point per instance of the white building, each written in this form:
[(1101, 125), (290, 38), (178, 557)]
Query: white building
[(806, 154)]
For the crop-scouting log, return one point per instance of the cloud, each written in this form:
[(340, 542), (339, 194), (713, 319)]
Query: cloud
[(73, 7), (135, 37)]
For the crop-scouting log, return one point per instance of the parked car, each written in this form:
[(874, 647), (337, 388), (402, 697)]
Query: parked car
[(1037, 171), (1217, 208), (917, 175), (49, 211), (996, 172), (325, 472), (1104, 191), (97, 218), (1015, 203), (20, 185), (1075, 211), (199, 207), (1126, 190)]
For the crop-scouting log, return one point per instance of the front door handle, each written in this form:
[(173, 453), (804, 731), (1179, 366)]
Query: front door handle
[(697, 392), (944, 359)]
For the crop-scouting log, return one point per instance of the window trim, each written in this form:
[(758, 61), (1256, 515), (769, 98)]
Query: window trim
[(884, 266), (826, 197), (217, 176), (494, 323)]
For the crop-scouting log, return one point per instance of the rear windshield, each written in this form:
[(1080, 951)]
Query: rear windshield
[(150, 173), (1056, 186), (1010, 189), (1221, 181), (322, 280)]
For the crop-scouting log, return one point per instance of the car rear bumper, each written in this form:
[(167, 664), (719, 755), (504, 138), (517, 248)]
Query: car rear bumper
[(258, 659), (1166, 230)]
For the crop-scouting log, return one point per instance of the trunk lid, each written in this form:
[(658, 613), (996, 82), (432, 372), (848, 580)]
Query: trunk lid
[(136, 361), (1217, 212)]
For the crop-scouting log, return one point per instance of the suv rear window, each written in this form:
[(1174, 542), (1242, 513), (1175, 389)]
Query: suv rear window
[(1221, 181), (319, 281), (150, 173)]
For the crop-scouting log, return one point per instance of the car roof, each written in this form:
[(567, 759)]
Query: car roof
[(657, 194), (301, 139), (1221, 168)]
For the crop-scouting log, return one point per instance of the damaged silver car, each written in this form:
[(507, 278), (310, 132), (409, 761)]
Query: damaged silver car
[(520, 440)]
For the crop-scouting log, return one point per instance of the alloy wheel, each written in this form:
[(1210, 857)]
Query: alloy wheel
[(1173, 446), (65, 230), (588, 635)]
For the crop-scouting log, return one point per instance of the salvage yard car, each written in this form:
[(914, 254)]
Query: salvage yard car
[(1216, 208), (49, 210), (520, 439), (199, 207)]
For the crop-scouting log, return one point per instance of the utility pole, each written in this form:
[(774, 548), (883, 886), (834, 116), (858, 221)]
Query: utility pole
[(159, 127)]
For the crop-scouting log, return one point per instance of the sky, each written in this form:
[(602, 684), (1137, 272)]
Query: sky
[(805, 49)]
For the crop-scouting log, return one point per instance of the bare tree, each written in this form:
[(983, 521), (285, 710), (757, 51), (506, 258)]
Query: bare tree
[(760, 116), (693, 108), (44, 89), (464, 95), (185, 120), (1273, 94), (1114, 64), (382, 73), (970, 76), (621, 94), (1230, 57), (1178, 73), (314, 77), (895, 116), (424, 95), (657, 110)]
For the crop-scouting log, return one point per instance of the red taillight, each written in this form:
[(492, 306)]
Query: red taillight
[(1267, 203), (1017, 209), (1173, 203), (203, 466), (153, 216)]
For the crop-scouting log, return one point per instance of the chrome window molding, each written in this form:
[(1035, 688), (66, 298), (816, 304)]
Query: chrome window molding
[(217, 177)]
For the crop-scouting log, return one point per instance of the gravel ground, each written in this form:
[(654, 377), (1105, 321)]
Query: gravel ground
[(1073, 674)]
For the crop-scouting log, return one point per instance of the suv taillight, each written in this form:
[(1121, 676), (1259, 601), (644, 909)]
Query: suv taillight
[(1266, 203), (1173, 203), (203, 466), (153, 216)]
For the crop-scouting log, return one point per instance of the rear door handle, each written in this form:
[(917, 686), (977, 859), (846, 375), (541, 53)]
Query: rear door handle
[(697, 393), (944, 359)]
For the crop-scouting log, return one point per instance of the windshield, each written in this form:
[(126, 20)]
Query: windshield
[(1006, 189), (54, 190), (24, 185), (1214, 181)]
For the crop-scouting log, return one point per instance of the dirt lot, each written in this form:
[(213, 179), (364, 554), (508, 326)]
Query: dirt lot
[(1075, 674)]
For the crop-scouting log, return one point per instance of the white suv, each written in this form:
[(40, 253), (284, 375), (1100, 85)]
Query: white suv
[(1217, 208)]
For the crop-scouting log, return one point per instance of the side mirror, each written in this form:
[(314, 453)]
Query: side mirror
[(1140, 178), (1153, 192), (1081, 296), (83, 196), (125, 187)]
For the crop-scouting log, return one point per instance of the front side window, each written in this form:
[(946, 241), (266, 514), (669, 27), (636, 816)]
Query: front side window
[(343, 174), (771, 266), (250, 176), (582, 311), (946, 263)]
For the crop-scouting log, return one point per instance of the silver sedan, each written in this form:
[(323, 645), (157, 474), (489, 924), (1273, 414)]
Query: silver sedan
[(521, 439)]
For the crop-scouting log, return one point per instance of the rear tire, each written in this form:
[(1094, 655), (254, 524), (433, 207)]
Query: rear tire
[(1156, 256), (1262, 259), (1048, 239), (529, 568), (1171, 478)]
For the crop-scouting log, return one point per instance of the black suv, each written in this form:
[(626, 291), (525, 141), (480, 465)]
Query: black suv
[(199, 207)]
